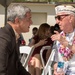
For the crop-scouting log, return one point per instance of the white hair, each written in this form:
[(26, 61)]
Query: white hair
[(16, 11)]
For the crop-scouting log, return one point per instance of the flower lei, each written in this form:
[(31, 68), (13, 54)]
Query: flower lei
[(65, 51)]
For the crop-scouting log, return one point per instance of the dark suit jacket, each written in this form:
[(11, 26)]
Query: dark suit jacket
[(9, 59)]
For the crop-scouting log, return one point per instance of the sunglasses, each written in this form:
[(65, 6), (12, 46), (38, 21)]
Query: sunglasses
[(59, 17)]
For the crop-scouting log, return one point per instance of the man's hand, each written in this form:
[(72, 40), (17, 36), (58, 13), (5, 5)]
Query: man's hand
[(56, 36), (55, 70), (61, 38)]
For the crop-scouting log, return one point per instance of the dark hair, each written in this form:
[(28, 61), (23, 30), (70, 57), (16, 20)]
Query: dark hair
[(42, 30), (55, 28), (35, 28), (52, 29)]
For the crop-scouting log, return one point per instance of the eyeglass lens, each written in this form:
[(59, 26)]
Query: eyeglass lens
[(59, 16)]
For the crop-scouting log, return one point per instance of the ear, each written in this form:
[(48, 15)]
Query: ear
[(70, 17), (16, 20)]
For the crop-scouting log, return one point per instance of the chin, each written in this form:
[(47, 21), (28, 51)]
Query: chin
[(27, 31), (61, 28)]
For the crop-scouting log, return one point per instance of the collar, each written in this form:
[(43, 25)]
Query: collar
[(17, 35)]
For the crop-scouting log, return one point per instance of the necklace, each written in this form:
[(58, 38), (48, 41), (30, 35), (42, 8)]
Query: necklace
[(66, 51)]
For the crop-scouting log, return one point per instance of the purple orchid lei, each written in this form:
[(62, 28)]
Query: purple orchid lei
[(65, 51)]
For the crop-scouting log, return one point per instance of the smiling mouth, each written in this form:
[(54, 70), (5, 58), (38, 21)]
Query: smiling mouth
[(28, 27)]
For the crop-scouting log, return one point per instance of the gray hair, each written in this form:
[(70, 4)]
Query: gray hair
[(16, 11)]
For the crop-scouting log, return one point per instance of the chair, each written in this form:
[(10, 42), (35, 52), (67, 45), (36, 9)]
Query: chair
[(41, 52), (47, 69), (27, 52)]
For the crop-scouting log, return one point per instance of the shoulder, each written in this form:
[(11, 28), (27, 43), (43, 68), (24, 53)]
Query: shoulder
[(36, 38), (6, 33)]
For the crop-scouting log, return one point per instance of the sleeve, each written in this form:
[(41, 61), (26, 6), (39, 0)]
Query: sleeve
[(56, 56), (56, 51), (22, 70), (36, 38), (3, 56)]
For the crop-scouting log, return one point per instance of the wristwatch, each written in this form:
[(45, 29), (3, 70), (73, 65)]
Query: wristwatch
[(69, 45)]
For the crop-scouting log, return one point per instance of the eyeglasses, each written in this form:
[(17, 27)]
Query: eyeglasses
[(59, 17)]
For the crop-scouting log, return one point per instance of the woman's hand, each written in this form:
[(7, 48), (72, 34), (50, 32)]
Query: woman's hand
[(42, 42)]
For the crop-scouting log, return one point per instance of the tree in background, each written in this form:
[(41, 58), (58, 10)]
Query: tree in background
[(61, 0), (46, 0)]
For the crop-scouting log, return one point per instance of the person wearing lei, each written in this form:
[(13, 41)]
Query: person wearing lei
[(65, 41)]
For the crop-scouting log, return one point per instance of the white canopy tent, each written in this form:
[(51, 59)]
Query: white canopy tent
[(5, 3)]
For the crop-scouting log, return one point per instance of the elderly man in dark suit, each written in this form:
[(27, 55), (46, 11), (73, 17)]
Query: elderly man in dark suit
[(18, 21)]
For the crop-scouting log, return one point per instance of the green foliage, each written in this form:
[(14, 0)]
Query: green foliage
[(62, 0), (46, 0)]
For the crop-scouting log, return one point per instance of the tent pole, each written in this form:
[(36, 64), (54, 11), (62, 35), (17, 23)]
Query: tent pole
[(5, 15), (5, 12)]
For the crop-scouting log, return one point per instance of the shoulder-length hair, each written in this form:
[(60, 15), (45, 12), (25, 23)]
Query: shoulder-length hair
[(42, 30)]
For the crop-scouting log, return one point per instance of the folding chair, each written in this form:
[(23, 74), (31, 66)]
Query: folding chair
[(26, 51), (47, 69), (41, 52)]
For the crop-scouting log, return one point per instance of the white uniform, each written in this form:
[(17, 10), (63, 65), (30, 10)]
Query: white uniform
[(58, 57)]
